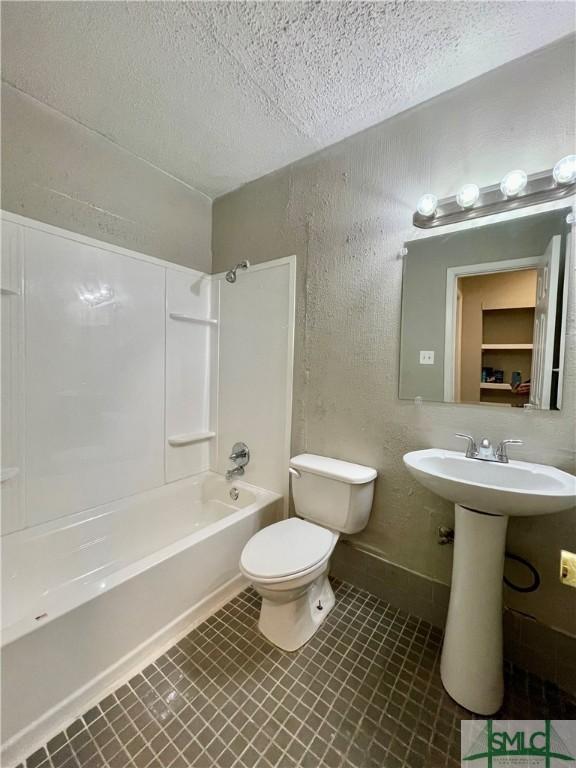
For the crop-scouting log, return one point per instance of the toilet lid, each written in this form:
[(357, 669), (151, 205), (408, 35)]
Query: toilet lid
[(286, 548)]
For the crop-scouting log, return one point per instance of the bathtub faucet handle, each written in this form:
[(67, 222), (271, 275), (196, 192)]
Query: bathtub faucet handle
[(240, 456)]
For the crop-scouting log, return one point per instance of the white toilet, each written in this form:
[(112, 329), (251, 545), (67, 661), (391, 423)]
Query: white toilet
[(288, 562)]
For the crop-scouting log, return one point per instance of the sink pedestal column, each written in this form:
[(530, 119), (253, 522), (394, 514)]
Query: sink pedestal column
[(471, 666)]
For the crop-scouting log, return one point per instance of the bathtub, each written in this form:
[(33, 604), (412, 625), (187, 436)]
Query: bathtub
[(90, 597)]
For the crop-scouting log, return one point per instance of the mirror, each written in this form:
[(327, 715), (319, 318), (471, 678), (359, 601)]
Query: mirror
[(484, 314)]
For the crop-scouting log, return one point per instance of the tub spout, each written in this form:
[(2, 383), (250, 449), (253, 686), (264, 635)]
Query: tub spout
[(230, 473)]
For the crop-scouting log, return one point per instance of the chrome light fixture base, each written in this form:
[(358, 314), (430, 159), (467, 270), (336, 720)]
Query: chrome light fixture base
[(541, 188)]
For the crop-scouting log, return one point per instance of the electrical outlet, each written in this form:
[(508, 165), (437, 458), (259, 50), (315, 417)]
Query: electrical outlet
[(568, 568), (426, 358)]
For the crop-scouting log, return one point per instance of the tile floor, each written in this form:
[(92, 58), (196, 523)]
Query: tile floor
[(365, 692)]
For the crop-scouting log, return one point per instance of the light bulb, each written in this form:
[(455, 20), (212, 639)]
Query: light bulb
[(565, 170), (427, 205), (513, 183), (468, 195)]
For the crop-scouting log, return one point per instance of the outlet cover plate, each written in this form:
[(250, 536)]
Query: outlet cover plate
[(568, 568), (426, 357)]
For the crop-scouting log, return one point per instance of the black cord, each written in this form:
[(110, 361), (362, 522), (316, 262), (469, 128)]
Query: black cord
[(535, 575)]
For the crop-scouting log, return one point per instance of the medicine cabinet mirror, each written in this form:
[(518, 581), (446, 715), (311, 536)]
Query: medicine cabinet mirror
[(484, 314)]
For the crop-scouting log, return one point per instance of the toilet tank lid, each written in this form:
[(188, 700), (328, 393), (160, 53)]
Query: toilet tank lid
[(335, 469)]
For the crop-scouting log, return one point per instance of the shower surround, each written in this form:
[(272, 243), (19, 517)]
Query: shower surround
[(126, 381)]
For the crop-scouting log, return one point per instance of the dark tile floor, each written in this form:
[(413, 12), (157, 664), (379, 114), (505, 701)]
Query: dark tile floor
[(365, 692)]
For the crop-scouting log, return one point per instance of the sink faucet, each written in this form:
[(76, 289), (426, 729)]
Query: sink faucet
[(240, 456), (485, 451)]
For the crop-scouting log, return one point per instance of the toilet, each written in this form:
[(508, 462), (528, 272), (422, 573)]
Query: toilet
[(288, 562)]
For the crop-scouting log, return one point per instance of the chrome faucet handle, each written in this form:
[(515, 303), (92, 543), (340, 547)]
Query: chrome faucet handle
[(240, 454), (502, 453), (471, 447)]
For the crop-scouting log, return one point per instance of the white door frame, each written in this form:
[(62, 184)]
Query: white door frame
[(452, 275), (569, 265)]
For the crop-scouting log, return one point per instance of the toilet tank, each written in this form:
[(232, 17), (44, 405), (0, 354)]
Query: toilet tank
[(332, 493)]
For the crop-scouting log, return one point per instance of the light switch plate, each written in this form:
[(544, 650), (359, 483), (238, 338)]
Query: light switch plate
[(568, 568), (426, 357)]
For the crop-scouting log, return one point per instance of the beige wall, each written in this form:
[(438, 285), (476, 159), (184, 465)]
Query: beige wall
[(346, 212), (55, 170)]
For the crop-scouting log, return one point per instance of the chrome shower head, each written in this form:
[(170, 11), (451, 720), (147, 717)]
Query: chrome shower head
[(231, 274)]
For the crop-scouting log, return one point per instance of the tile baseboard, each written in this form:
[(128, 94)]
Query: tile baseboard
[(538, 648), (528, 644), (404, 589)]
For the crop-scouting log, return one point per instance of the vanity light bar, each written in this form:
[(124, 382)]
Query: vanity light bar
[(516, 190)]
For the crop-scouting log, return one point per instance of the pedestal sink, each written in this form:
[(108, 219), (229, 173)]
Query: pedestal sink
[(485, 494)]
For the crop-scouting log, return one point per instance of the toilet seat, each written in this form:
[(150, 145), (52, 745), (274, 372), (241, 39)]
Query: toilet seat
[(286, 550)]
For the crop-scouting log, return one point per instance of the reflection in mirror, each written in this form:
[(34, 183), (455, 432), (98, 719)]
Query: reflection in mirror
[(484, 314)]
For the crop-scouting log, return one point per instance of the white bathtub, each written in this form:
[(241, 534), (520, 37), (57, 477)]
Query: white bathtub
[(88, 597)]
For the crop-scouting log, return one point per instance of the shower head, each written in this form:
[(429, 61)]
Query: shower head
[(231, 274)]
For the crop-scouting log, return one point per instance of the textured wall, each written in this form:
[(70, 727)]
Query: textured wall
[(55, 170), (346, 212)]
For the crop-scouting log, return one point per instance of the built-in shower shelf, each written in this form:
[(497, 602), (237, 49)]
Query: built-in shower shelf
[(188, 439), (192, 319)]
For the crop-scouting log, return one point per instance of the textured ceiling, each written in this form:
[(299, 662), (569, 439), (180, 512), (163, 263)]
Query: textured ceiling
[(219, 93)]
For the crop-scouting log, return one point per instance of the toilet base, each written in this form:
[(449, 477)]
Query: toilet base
[(291, 623)]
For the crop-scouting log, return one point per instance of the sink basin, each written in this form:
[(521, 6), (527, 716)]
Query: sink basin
[(471, 664), (518, 488)]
